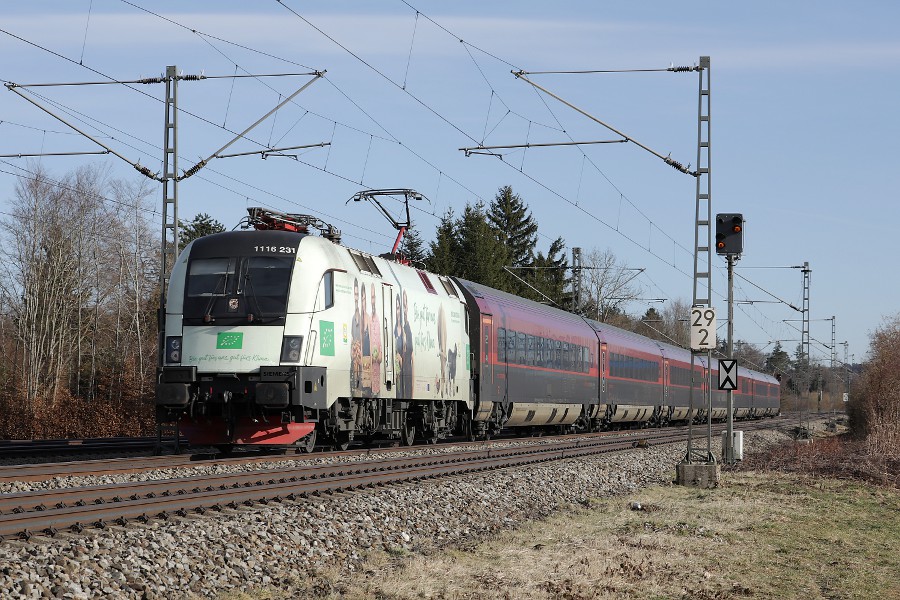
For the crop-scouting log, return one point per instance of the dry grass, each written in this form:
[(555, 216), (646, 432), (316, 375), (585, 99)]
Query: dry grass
[(841, 457), (772, 535)]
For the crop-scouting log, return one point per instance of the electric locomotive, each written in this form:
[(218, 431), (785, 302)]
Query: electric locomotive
[(279, 337)]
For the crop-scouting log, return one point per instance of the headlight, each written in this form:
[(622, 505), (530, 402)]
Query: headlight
[(290, 348), (173, 349)]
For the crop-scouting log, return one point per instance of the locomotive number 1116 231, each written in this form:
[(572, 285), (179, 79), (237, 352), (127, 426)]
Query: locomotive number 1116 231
[(278, 249)]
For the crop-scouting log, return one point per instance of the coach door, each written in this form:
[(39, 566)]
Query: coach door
[(603, 359), (602, 373), (387, 334), (666, 382), (485, 403), (487, 368)]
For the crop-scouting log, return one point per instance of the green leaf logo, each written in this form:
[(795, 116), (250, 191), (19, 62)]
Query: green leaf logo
[(229, 341)]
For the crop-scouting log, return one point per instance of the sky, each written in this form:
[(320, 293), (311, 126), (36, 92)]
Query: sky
[(803, 105)]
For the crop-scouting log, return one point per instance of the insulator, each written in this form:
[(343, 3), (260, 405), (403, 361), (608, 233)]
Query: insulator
[(683, 69), (192, 77), (146, 172), (193, 170), (677, 165), (152, 80)]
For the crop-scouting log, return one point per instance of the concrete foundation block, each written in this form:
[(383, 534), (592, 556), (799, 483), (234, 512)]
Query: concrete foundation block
[(697, 475)]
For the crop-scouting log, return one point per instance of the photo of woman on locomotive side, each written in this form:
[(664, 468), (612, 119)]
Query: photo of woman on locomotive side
[(375, 344), (398, 349), (366, 384), (408, 375), (355, 344)]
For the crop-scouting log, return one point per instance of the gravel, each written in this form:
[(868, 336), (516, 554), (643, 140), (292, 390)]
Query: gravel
[(277, 544)]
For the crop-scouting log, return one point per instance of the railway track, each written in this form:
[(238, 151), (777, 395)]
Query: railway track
[(68, 447), (46, 512), (114, 466)]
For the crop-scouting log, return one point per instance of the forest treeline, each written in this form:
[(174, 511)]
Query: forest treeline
[(80, 292)]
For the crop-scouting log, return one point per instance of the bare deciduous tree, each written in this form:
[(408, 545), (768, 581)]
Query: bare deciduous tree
[(78, 283), (607, 285), (675, 316)]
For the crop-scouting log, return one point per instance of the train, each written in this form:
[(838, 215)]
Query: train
[(274, 336)]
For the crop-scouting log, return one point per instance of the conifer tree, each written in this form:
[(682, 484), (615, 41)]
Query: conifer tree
[(201, 225), (443, 252), (550, 276), (412, 248), (516, 229), (481, 256)]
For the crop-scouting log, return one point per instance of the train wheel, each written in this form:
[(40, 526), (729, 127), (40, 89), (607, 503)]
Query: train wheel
[(408, 435), (307, 444)]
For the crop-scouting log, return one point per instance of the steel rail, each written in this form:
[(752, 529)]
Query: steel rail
[(38, 500), (15, 448), (44, 471)]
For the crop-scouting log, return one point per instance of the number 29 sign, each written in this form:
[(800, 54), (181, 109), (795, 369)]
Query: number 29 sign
[(703, 328)]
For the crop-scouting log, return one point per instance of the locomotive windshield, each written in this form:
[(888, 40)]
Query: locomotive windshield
[(237, 289)]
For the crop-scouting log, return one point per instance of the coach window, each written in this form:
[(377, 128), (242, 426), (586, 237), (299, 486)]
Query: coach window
[(426, 282), (359, 261), (448, 287), (329, 289), (529, 350), (520, 349), (373, 268), (501, 345)]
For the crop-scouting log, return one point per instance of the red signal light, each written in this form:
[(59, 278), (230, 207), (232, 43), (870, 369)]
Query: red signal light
[(729, 233)]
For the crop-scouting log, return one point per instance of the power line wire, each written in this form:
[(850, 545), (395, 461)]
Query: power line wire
[(466, 45)]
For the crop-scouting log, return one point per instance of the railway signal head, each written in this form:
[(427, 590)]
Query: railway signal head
[(729, 233)]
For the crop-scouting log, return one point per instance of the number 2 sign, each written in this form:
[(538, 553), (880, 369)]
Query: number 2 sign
[(703, 328)]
